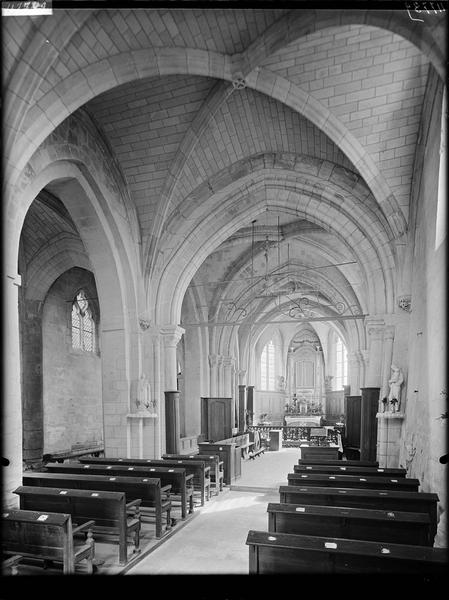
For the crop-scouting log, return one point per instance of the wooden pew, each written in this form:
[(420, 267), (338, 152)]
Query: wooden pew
[(275, 553), (338, 463), (77, 450), (155, 499), (197, 468), (181, 482), (343, 470), (212, 460), (319, 452), (363, 498), (353, 481), (230, 454), (107, 511), (351, 523), (47, 536)]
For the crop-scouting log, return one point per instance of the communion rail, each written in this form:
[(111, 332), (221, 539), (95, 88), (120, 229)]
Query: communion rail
[(293, 435)]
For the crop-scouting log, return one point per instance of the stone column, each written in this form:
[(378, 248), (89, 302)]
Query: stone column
[(213, 363), (12, 402), (171, 334), (220, 369), (354, 372), (375, 329), (32, 400), (227, 363)]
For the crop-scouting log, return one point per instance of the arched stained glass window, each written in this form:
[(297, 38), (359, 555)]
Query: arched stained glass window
[(267, 379), (83, 324)]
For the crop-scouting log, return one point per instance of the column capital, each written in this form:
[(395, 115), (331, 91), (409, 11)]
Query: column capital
[(213, 360), (228, 361), (171, 334)]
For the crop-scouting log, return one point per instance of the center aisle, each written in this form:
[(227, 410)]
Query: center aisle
[(213, 542)]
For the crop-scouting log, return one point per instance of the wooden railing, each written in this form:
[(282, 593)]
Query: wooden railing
[(293, 436)]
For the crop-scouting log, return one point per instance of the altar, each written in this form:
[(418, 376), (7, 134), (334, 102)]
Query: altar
[(299, 420)]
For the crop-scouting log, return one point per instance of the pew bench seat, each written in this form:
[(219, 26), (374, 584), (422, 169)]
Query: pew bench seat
[(351, 523), (276, 553), (47, 536), (155, 499)]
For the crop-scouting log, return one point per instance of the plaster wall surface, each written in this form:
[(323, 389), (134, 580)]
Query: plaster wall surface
[(424, 433)]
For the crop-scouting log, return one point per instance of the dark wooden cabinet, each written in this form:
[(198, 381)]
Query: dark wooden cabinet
[(352, 418), (216, 418), (368, 423)]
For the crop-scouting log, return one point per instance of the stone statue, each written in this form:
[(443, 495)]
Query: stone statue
[(395, 382), (143, 393)]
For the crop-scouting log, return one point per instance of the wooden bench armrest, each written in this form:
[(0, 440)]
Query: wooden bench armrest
[(82, 527), (137, 502), (166, 489)]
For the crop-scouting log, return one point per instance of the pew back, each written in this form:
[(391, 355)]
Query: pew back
[(338, 463), (277, 553), (149, 490), (343, 470), (45, 535), (353, 481), (109, 510), (351, 523), (180, 481), (363, 498)]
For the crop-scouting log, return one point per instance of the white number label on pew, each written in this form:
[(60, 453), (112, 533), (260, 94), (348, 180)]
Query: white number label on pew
[(112, 478), (170, 470), (342, 468), (300, 509), (86, 466), (361, 479), (303, 489), (120, 459), (332, 545), (342, 491), (394, 480), (5, 515), (383, 494), (95, 494), (380, 470), (272, 538), (331, 477), (304, 475), (42, 518), (144, 479), (309, 467), (152, 469), (108, 467), (390, 514), (191, 456), (130, 468), (180, 462), (62, 492), (385, 551)]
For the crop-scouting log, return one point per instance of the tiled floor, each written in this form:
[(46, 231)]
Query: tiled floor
[(214, 541)]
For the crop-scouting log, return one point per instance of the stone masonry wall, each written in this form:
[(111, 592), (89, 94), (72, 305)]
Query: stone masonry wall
[(72, 398)]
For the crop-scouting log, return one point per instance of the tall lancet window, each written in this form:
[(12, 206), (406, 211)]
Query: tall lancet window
[(83, 324), (267, 379), (341, 365)]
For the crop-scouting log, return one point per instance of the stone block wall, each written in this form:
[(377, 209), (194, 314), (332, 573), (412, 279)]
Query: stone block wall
[(72, 389)]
